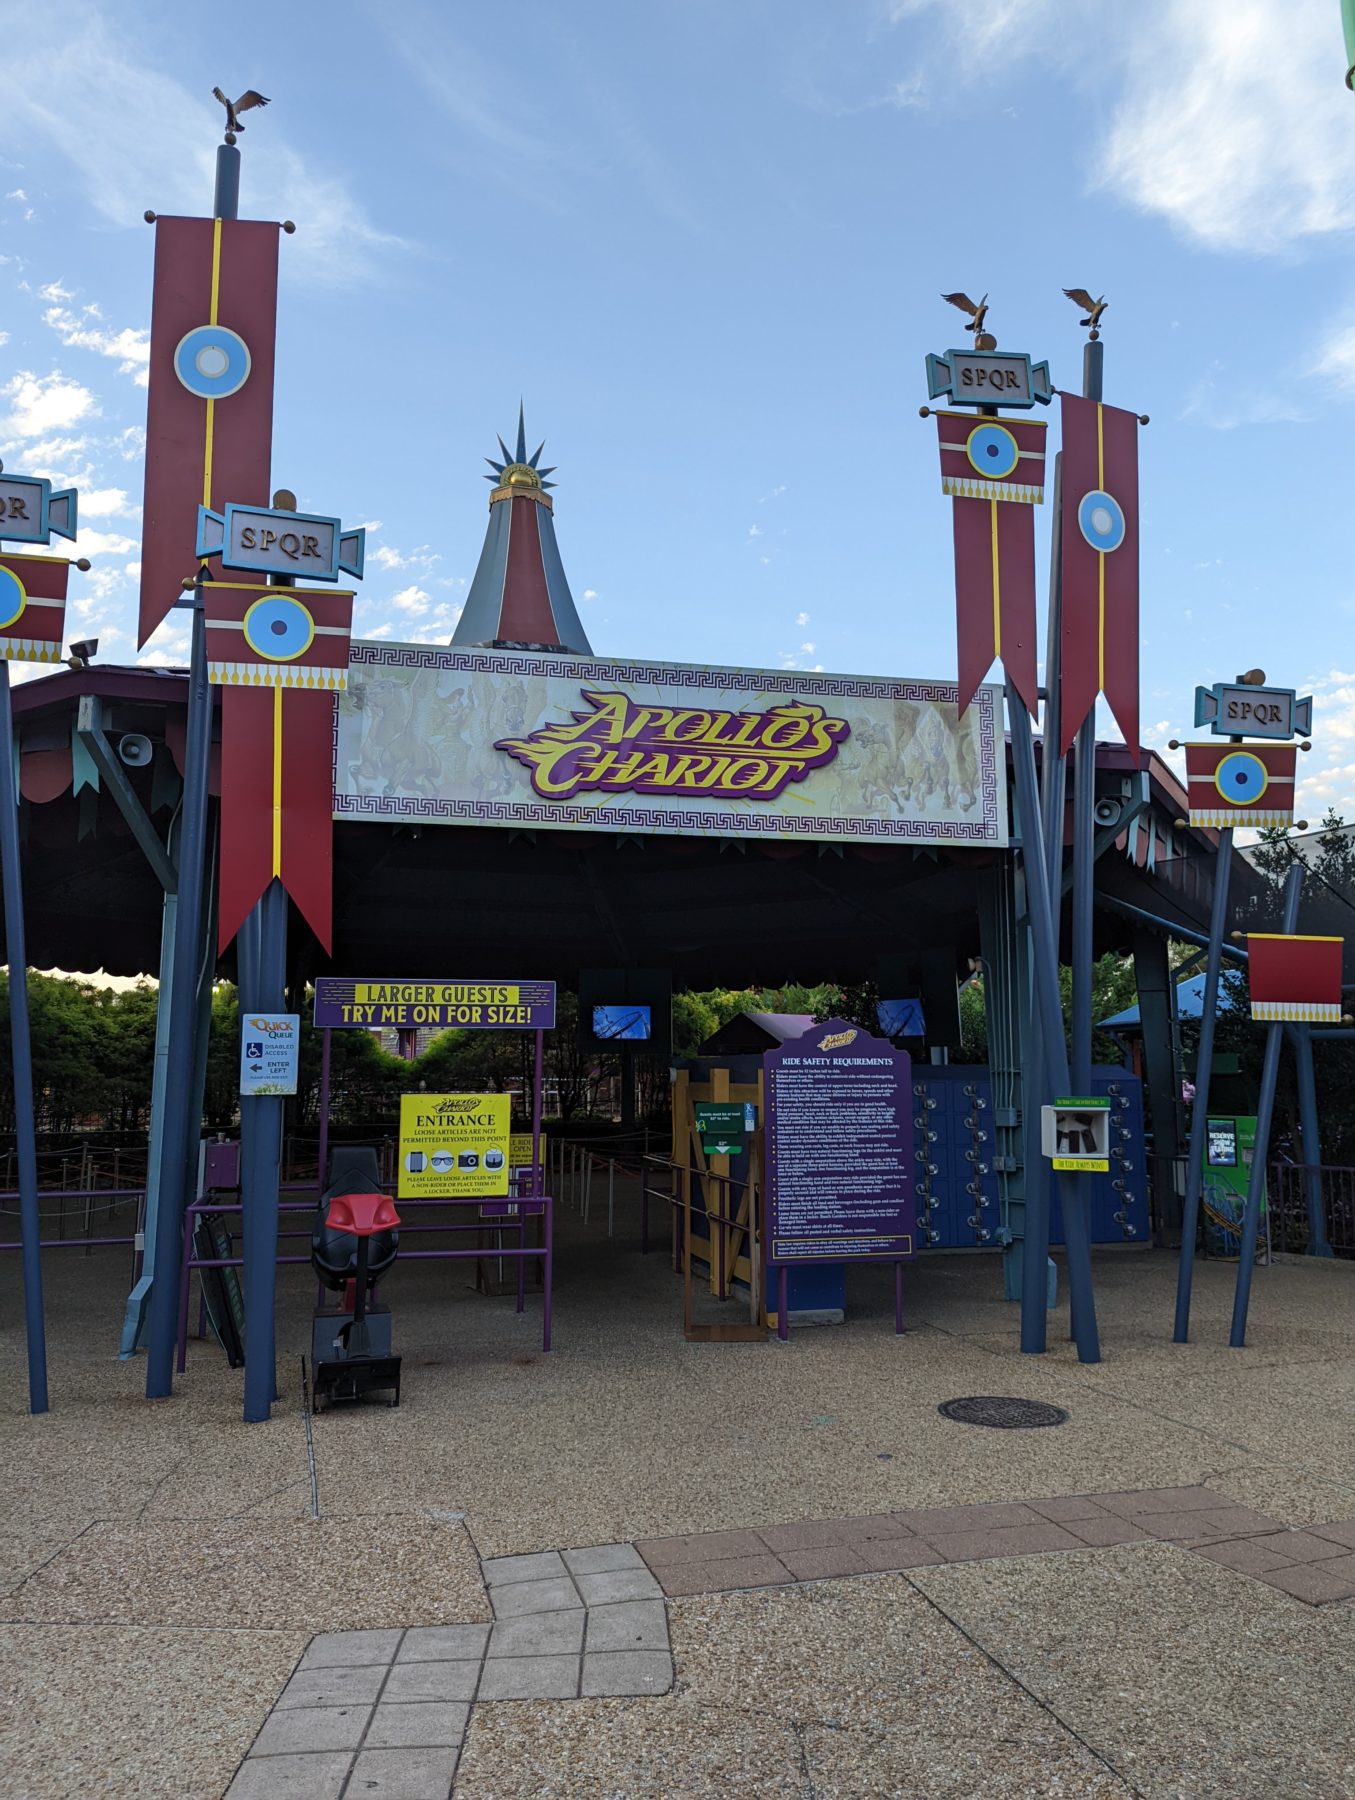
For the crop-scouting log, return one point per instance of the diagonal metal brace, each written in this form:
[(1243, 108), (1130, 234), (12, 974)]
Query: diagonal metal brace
[(1106, 837), (89, 729)]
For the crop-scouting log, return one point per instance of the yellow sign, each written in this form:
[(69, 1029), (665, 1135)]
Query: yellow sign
[(1081, 1165), (520, 1150), (453, 1145)]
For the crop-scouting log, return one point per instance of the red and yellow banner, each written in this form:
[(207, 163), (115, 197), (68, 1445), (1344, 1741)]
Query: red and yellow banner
[(1100, 565), (1240, 784), (209, 408), (32, 607), (993, 469), (1295, 978), (281, 654)]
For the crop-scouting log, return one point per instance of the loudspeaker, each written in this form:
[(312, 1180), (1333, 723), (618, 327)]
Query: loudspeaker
[(135, 750), (1108, 811)]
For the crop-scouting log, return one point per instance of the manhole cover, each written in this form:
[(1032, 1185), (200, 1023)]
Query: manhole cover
[(1003, 1413)]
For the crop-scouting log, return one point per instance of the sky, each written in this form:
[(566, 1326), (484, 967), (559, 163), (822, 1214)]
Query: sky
[(705, 243)]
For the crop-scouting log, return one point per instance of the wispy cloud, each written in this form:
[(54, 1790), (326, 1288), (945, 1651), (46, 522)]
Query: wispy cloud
[(164, 137), (130, 348), (1226, 118)]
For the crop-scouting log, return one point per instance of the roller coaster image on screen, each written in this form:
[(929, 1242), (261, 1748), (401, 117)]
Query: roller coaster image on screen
[(628, 1022)]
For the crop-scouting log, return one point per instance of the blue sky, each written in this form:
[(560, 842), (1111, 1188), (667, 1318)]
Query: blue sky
[(705, 241)]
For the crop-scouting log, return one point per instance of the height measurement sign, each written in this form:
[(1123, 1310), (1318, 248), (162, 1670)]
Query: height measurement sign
[(470, 1004), (839, 1148)]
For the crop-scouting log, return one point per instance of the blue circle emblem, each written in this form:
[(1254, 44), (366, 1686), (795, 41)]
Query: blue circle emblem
[(279, 628), (1241, 778), (13, 599), (993, 451), (212, 362), (1101, 519)]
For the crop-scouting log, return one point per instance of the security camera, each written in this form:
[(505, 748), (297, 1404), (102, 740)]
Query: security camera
[(1108, 811), (80, 654), (135, 749)]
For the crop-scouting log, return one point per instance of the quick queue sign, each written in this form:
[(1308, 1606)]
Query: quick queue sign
[(466, 1004)]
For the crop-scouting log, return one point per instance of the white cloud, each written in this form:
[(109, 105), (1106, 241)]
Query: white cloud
[(95, 544), (806, 649), (802, 619), (103, 503), (129, 347), (54, 289), (754, 531), (1227, 118), (387, 558), (166, 158), (412, 599), (1336, 358), (41, 403), (16, 194), (590, 593), (4, 337)]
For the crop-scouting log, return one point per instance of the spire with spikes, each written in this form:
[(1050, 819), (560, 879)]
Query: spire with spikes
[(520, 598)]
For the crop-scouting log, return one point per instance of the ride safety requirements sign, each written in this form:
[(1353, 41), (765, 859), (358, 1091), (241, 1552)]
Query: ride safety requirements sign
[(358, 1002), (454, 1145), (839, 1148)]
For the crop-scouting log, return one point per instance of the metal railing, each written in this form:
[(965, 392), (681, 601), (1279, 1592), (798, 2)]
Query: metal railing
[(1291, 1187)]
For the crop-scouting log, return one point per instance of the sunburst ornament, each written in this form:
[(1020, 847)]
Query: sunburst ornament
[(518, 473)]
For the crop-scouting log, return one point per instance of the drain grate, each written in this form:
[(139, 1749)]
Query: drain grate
[(1002, 1413)]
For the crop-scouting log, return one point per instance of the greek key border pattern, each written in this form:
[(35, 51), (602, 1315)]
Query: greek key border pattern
[(988, 829)]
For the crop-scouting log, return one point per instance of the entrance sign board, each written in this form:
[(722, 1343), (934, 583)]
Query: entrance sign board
[(530, 738), (453, 1145), (839, 1148), (467, 1003), (270, 1051)]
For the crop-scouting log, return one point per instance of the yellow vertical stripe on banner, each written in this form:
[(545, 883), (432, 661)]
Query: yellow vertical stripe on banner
[(277, 780), (211, 404), (1100, 558), (997, 607)]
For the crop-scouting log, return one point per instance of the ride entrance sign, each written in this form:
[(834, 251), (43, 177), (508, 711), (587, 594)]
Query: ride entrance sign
[(454, 1146), (839, 1148)]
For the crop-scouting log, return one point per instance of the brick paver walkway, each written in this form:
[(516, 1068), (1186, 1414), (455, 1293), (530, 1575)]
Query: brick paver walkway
[(383, 1714)]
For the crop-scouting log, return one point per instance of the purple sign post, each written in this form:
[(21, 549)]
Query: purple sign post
[(839, 1155)]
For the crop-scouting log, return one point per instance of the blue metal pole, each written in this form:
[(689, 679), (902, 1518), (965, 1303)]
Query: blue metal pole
[(183, 1019), (261, 947), (1077, 1223), (25, 1139), (1265, 1112), (1190, 1217), (1045, 985), (1318, 1245)]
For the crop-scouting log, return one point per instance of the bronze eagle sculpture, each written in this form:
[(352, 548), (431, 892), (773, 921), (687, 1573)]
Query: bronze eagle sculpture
[(250, 97), (1094, 308), (978, 312)]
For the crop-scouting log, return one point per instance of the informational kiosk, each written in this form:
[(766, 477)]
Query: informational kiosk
[(839, 1155)]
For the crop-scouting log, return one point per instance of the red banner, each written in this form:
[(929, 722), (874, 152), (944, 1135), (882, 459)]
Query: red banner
[(994, 471), (32, 607), (1293, 977), (1100, 565), (281, 654), (1240, 784), (209, 408)]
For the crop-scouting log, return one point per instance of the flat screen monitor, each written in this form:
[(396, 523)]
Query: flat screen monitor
[(628, 1021), (1222, 1143), (900, 1018)]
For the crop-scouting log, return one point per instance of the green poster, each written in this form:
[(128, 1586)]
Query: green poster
[(720, 1126), (1229, 1140)]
